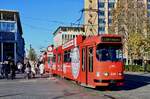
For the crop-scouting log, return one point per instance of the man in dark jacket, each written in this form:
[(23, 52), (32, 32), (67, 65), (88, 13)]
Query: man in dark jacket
[(12, 68), (6, 68)]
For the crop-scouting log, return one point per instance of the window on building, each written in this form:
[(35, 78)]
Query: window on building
[(12, 27), (148, 6), (109, 21), (101, 4), (65, 36), (101, 1), (101, 21), (112, 0), (0, 16), (101, 28), (110, 5), (148, 13), (62, 36), (8, 16), (109, 13), (7, 26), (101, 13)]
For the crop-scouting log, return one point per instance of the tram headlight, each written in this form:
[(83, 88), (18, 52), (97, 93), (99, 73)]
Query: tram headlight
[(97, 74), (106, 74), (120, 73)]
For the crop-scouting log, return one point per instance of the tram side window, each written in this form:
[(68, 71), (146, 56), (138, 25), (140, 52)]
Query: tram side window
[(83, 59), (59, 58), (67, 57), (49, 59), (54, 59), (91, 59)]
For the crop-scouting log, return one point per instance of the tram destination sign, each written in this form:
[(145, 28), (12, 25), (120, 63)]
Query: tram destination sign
[(111, 39)]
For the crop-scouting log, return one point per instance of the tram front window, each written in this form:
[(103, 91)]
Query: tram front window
[(109, 53)]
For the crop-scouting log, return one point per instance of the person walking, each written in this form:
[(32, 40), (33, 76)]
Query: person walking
[(19, 66), (28, 70), (6, 68), (12, 68), (41, 67), (32, 63), (2, 70)]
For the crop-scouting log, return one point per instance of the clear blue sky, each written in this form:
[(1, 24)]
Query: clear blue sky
[(40, 18)]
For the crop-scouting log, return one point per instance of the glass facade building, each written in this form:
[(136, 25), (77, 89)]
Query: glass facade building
[(11, 40)]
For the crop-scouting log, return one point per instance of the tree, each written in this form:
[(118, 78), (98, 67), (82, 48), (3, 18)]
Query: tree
[(32, 54), (131, 21)]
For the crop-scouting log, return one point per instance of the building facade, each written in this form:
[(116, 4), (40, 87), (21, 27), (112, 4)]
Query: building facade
[(11, 40), (64, 34), (98, 16), (147, 2), (91, 17)]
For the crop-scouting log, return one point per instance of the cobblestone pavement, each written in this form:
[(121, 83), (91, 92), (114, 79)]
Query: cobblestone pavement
[(44, 88), (137, 86)]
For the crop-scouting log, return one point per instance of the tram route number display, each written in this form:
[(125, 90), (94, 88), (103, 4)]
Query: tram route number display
[(111, 39)]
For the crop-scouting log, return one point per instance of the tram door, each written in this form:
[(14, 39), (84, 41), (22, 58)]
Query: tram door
[(84, 68), (87, 64), (89, 69)]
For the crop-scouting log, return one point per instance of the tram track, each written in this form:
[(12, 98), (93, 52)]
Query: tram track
[(109, 96)]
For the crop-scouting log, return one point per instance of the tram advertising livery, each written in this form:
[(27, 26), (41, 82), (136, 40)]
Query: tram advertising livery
[(90, 61)]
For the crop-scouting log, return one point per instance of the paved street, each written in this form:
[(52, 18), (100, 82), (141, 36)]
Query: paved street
[(43, 88), (137, 87)]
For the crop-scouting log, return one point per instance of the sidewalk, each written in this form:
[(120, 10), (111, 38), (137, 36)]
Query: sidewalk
[(22, 76)]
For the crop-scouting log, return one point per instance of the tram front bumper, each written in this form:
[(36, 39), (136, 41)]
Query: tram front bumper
[(108, 82)]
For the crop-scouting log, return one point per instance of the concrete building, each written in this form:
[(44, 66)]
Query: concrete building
[(98, 16), (91, 17), (64, 34), (11, 40)]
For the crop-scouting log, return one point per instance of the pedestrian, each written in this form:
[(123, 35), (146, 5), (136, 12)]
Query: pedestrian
[(6, 68), (41, 67), (2, 70), (28, 70), (32, 63), (19, 66), (13, 67), (23, 68)]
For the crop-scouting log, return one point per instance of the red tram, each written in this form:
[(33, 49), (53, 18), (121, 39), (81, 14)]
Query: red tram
[(91, 61), (48, 58)]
